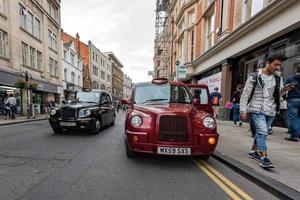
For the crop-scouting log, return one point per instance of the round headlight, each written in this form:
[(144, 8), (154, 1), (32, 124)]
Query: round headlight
[(209, 122), (88, 112), (53, 112), (136, 121)]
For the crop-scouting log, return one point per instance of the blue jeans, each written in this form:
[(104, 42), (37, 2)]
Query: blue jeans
[(261, 123), (293, 106), (236, 113)]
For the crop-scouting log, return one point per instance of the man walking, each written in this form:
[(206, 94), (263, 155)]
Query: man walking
[(293, 105), (216, 98), (11, 102), (261, 98)]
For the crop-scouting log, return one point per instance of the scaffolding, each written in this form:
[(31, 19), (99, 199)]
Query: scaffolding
[(162, 40)]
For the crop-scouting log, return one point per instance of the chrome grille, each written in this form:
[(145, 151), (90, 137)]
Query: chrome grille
[(173, 128), (68, 113)]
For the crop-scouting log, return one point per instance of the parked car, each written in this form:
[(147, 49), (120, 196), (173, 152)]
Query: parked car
[(165, 118), (87, 110)]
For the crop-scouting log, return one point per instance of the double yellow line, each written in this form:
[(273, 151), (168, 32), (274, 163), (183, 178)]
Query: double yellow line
[(230, 188)]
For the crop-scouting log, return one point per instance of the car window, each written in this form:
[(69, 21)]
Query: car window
[(200, 93)]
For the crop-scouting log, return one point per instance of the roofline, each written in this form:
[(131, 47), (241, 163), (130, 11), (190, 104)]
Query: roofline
[(114, 57)]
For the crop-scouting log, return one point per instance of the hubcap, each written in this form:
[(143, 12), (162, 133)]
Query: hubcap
[(97, 124)]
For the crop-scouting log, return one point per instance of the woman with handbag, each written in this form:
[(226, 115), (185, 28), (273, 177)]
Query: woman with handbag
[(235, 99)]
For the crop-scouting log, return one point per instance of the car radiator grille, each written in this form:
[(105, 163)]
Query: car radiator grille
[(173, 128), (67, 113)]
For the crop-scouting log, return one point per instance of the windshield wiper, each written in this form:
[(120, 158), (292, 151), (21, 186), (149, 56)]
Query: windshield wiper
[(152, 100)]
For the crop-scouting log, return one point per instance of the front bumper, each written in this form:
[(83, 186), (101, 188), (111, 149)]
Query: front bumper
[(82, 123), (199, 145)]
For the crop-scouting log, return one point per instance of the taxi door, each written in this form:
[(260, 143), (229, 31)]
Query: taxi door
[(200, 94)]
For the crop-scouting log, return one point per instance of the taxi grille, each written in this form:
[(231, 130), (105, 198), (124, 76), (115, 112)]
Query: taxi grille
[(68, 113), (173, 128)]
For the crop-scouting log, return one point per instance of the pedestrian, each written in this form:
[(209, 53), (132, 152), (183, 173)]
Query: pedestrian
[(10, 106), (216, 99), (293, 104), (261, 98), (235, 99)]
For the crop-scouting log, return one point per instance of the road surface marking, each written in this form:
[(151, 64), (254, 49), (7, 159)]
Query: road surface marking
[(217, 181), (225, 180)]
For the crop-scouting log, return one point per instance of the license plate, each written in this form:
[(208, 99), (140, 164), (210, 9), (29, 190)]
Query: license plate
[(68, 123), (174, 151)]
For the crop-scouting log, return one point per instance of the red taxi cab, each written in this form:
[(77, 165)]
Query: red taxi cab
[(170, 118)]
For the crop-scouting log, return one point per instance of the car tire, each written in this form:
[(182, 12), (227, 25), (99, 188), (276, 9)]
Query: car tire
[(96, 126), (57, 130), (129, 152)]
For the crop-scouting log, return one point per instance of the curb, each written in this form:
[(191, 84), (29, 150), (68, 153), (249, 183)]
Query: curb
[(271, 185), (22, 122)]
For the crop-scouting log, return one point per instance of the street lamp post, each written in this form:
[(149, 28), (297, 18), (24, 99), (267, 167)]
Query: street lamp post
[(27, 76)]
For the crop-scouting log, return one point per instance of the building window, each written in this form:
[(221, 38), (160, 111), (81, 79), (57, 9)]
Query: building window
[(210, 22), (102, 75), (32, 57), (3, 44), (37, 28), (108, 78), (191, 18), (52, 40), (95, 70), (30, 23), (78, 80), (191, 45), (39, 60), (24, 54), (22, 17), (65, 75), (52, 11), (2, 6), (181, 26), (225, 14), (180, 50), (65, 54), (73, 77), (93, 56), (53, 67), (72, 59)]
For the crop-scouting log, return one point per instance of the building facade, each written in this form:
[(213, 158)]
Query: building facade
[(71, 68), (117, 77), (127, 86), (216, 40), (30, 35), (101, 69)]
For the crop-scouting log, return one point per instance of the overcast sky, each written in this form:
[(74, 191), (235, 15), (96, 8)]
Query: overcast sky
[(125, 27)]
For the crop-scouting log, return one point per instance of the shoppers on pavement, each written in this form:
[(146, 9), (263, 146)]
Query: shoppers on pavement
[(216, 99), (10, 104), (235, 99), (261, 98), (293, 104)]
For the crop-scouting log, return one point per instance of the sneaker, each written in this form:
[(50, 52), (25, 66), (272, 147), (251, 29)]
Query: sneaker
[(235, 125), (270, 131), (266, 163), (254, 155), (291, 139)]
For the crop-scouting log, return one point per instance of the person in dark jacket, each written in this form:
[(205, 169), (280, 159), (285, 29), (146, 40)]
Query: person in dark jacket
[(293, 104), (235, 99)]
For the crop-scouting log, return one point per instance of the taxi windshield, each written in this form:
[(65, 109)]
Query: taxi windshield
[(166, 93), (88, 97)]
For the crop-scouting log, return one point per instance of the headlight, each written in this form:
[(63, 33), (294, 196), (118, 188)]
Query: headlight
[(84, 113), (53, 112), (136, 121), (209, 122)]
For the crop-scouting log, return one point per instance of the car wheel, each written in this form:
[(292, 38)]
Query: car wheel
[(96, 127), (129, 152), (113, 121), (57, 130)]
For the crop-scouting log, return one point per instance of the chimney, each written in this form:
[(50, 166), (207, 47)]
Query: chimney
[(77, 43)]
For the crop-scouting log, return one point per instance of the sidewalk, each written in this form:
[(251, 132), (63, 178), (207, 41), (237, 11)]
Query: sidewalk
[(236, 142), (20, 119)]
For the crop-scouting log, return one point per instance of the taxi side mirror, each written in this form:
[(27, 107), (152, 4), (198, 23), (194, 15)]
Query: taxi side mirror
[(196, 101)]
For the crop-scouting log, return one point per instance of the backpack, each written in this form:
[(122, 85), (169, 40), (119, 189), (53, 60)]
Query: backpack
[(276, 94), (215, 101)]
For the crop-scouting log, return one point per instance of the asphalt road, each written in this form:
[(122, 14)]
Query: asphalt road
[(36, 164)]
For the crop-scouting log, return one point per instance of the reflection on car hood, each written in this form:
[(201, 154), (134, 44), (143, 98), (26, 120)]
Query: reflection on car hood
[(79, 105), (165, 108)]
